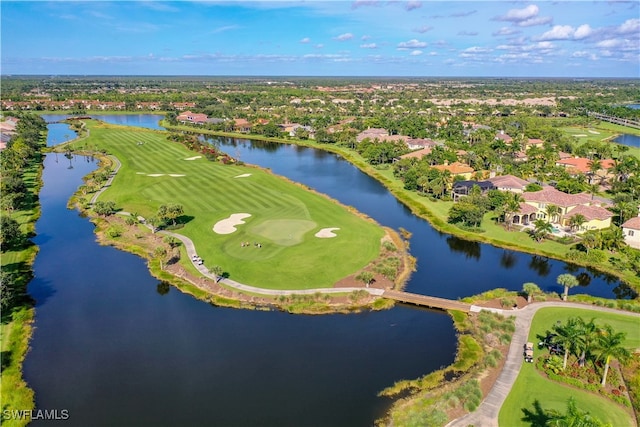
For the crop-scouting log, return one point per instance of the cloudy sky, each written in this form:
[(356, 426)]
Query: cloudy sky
[(322, 38)]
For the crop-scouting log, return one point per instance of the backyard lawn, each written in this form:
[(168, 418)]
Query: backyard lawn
[(280, 216), (531, 386)]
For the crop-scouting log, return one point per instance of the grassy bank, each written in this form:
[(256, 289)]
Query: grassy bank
[(16, 323)]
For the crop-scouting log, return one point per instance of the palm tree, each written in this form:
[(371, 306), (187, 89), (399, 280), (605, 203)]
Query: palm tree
[(574, 417), (552, 211), (576, 221), (511, 206), (586, 339), (567, 336), (610, 345), (568, 281), (366, 277), (160, 253), (542, 229), (530, 289), (594, 166), (589, 241)]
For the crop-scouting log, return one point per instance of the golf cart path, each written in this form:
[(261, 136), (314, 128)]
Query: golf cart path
[(487, 413)]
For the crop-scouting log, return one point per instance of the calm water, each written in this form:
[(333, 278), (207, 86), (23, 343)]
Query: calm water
[(59, 133), (447, 266), (630, 140), (112, 350), (149, 121)]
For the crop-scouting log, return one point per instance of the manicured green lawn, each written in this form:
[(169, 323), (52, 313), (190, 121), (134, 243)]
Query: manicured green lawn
[(603, 131), (531, 386), (284, 216)]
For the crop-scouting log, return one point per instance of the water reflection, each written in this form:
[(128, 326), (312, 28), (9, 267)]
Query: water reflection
[(468, 248)]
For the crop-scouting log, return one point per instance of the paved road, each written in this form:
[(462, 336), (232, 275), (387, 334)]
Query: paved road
[(487, 413)]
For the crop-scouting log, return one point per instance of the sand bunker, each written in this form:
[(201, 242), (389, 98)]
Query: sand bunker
[(326, 233), (155, 174), (244, 175), (194, 158), (580, 135), (140, 173), (227, 226), (593, 132), (176, 174)]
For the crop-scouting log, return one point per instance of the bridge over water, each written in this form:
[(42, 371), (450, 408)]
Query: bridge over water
[(427, 301)]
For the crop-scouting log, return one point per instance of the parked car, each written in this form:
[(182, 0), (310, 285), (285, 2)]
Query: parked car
[(528, 352)]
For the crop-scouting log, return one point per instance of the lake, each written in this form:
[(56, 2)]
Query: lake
[(114, 346)]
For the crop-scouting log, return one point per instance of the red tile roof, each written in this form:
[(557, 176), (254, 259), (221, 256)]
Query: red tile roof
[(633, 223), (526, 209), (455, 168), (591, 212), (508, 181), (556, 197), (581, 164), (418, 154)]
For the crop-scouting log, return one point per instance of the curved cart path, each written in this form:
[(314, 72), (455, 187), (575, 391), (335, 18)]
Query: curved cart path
[(487, 413), (109, 181)]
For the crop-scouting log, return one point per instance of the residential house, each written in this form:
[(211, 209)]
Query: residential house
[(241, 125), (463, 188), (597, 217), (372, 133), (525, 215), (631, 232), (504, 137), (509, 183), (457, 168), (188, 116), (418, 154), (581, 165), (418, 143)]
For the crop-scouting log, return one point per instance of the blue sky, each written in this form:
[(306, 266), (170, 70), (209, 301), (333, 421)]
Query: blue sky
[(314, 38)]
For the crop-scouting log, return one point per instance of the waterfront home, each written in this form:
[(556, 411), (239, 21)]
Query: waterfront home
[(418, 154), (457, 168), (189, 117), (596, 216), (241, 125), (463, 188), (509, 183), (631, 232)]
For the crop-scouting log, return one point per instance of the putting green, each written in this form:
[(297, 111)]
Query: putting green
[(285, 232)]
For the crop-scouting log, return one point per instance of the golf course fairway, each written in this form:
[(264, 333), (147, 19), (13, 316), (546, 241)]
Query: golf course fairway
[(260, 228)]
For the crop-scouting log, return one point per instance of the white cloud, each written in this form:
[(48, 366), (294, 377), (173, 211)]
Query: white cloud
[(344, 37), (416, 52), (630, 26), (224, 28), (369, 46), (411, 5), (525, 17), (467, 33), (583, 32), (519, 15), (505, 31), (558, 32), (305, 40), (585, 54), (477, 49), (411, 44)]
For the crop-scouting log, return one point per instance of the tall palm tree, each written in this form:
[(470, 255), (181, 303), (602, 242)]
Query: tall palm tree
[(610, 345), (568, 281), (587, 339), (542, 229), (511, 206), (567, 335)]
